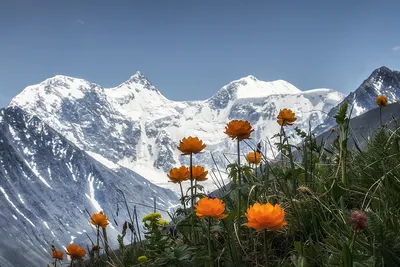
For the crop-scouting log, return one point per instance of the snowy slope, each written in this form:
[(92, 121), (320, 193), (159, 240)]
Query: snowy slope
[(47, 183), (133, 125)]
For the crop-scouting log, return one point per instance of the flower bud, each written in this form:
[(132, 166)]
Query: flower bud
[(358, 221)]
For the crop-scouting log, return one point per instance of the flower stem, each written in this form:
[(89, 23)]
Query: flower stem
[(191, 194), (98, 243), (195, 190), (183, 199), (191, 179), (380, 115), (266, 249), (72, 262), (106, 243), (209, 241), (239, 186), (352, 241)]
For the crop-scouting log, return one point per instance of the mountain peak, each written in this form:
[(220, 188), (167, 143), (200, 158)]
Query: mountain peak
[(250, 77), (383, 72), (63, 78), (138, 75), (139, 78)]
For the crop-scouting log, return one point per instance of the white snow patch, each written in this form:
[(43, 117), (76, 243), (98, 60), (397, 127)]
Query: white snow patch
[(15, 207), (91, 196), (21, 199), (35, 171), (103, 160)]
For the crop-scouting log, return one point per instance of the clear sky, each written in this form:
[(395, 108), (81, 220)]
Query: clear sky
[(191, 48)]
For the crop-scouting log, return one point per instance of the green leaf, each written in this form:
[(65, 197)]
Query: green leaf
[(347, 258)]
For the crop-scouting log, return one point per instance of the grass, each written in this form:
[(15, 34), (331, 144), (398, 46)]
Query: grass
[(325, 196)]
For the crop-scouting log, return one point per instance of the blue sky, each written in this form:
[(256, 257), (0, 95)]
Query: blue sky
[(189, 49)]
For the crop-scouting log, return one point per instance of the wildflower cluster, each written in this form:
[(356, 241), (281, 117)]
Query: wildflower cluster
[(273, 211)]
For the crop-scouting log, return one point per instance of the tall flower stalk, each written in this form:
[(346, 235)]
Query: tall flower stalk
[(239, 176), (190, 146), (191, 180), (100, 220), (381, 101), (256, 218), (179, 175), (286, 117), (239, 130), (210, 208)]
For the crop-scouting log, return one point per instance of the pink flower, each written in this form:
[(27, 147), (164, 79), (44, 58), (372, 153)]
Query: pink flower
[(358, 221)]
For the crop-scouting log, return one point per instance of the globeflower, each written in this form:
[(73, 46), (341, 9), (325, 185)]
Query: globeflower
[(99, 219), (177, 175), (199, 173), (381, 101), (286, 117), (58, 255), (151, 217), (265, 216), (76, 252), (191, 145), (253, 157), (239, 129), (210, 207)]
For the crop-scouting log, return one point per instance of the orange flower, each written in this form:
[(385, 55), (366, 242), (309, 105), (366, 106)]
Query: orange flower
[(261, 217), (177, 175), (286, 117), (253, 157), (381, 101), (210, 207), (56, 254), (199, 173), (76, 252), (238, 129), (191, 145), (100, 219)]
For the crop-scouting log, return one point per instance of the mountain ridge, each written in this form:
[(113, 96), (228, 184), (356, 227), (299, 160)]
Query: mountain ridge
[(134, 126)]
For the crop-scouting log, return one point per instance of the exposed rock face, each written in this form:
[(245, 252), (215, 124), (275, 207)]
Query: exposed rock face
[(47, 183)]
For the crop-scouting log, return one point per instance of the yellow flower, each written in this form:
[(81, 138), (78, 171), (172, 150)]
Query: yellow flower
[(177, 175), (151, 217), (76, 252), (191, 145), (253, 157), (56, 254), (199, 173), (210, 207), (266, 216), (238, 129), (100, 219), (142, 259), (381, 101), (286, 117)]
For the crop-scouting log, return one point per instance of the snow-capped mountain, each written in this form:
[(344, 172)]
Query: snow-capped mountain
[(133, 125), (382, 81), (46, 186)]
